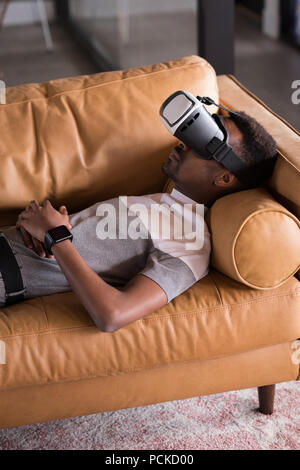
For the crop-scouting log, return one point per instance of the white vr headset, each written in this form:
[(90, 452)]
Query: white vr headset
[(186, 117)]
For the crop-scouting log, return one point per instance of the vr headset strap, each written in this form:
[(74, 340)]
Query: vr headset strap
[(224, 154), (208, 101), (12, 278)]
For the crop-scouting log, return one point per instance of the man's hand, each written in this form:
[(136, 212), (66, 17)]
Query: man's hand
[(36, 219), (31, 242)]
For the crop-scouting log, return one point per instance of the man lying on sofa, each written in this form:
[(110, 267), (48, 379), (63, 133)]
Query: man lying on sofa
[(121, 279)]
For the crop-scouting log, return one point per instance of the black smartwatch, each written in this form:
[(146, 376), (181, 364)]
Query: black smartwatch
[(56, 235)]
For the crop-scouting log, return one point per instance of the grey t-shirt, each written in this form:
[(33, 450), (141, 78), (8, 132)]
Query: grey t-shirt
[(122, 237)]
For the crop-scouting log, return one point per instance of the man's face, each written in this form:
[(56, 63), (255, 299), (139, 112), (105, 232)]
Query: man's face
[(184, 166), (187, 170)]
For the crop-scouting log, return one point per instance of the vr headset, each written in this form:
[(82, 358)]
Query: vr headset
[(185, 117)]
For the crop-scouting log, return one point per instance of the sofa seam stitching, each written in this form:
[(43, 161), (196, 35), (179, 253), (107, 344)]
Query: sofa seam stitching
[(193, 312)]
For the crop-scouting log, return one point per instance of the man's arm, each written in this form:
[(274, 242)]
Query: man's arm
[(109, 307)]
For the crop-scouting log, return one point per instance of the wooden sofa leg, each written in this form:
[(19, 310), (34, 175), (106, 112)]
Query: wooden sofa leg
[(266, 396)]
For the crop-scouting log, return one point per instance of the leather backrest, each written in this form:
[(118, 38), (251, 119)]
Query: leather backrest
[(80, 140)]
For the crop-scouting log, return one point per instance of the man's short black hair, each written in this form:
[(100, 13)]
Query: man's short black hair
[(257, 146)]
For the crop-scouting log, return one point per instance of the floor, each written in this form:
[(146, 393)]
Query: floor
[(267, 67)]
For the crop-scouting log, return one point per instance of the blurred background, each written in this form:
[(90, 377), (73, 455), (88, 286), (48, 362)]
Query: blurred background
[(258, 41)]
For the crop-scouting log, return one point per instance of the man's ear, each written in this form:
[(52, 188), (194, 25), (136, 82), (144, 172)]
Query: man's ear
[(224, 179)]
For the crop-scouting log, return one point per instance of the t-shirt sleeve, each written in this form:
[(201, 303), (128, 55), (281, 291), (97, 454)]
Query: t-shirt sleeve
[(179, 268)]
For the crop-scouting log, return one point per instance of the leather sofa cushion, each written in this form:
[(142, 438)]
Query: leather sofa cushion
[(77, 141), (52, 339)]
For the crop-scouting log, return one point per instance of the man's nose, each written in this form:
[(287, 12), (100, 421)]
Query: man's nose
[(182, 145)]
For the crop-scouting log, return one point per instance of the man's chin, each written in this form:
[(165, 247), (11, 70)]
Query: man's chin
[(167, 170)]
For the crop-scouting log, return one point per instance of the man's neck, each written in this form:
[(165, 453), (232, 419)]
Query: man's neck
[(201, 199)]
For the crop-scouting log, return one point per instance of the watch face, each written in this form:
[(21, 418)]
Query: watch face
[(59, 233)]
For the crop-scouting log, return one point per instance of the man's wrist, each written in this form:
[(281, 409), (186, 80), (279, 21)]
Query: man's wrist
[(56, 247), (44, 232), (57, 235)]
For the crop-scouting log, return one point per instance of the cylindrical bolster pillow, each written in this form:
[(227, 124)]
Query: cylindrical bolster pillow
[(255, 240)]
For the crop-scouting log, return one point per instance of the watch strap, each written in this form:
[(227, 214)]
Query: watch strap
[(50, 239)]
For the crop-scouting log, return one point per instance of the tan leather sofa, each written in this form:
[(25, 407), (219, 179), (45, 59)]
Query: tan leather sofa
[(81, 140)]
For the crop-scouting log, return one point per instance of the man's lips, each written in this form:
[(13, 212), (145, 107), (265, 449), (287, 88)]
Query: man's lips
[(174, 155)]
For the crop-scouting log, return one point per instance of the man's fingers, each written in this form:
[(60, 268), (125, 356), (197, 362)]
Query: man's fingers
[(63, 210), (39, 248), (32, 242), (24, 215), (26, 237), (33, 205), (46, 202)]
